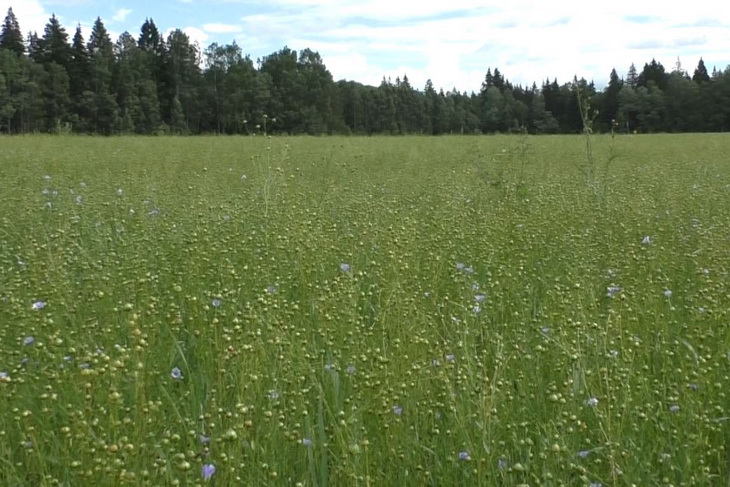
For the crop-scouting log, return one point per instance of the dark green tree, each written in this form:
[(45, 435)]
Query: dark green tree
[(286, 90), (56, 96), (11, 38), (700, 75), (135, 87), (79, 66), (632, 77), (316, 98), (101, 54), (53, 52), (651, 107), (553, 98), (241, 79), (683, 108), (436, 121), (440, 114), (153, 45), (156, 85), (492, 110), (215, 77), (572, 120), (149, 38), (178, 124), (408, 107), (53, 47), (79, 73), (264, 102), (180, 79), (452, 121), (653, 72), (125, 82), (515, 111), (22, 109), (229, 84), (628, 109), (542, 121), (488, 80), (715, 98), (499, 81), (385, 113), (354, 109), (10, 72), (105, 118), (33, 48), (7, 110), (609, 101)]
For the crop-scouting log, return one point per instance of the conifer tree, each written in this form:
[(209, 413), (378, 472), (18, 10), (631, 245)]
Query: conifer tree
[(11, 37), (53, 46), (700, 75), (79, 71)]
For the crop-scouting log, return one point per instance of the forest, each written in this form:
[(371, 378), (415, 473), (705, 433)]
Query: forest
[(154, 85)]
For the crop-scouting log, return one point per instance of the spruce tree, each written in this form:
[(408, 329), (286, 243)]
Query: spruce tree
[(56, 97), (632, 77), (700, 74), (53, 46), (609, 105), (653, 72), (33, 48), (101, 53), (11, 37), (79, 70), (149, 37)]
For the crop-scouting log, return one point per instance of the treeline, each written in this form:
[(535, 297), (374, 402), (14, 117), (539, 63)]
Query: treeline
[(156, 85)]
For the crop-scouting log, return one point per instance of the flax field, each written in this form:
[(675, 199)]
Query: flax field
[(334, 311)]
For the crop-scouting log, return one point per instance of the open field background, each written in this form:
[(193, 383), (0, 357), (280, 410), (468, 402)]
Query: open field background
[(365, 311)]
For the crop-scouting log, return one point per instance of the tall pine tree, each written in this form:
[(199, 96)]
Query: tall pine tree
[(11, 37), (653, 72), (609, 105), (53, 46), (180, 76), (101, 53), (700, 75), (79, 70), (54, 53)]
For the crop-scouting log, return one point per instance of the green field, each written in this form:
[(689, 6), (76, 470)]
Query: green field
[(365, 311)]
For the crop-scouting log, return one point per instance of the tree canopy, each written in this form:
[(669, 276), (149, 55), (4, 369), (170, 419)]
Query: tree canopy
[(149, 84)]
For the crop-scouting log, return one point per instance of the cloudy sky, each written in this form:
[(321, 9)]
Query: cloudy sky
[(451, 42)]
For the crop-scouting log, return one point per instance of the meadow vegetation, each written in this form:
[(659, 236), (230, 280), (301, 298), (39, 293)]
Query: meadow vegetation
[(365, 311)]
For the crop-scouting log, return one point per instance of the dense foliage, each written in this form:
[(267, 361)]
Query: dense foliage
[(155, 85)]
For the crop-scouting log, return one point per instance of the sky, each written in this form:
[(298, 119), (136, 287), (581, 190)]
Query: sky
[(453, 43)]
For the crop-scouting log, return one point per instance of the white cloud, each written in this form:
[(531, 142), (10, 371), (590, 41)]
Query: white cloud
[(194, 34), (197, 35), (121, 14), (218, 28), (454, 42), (353, 67)]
